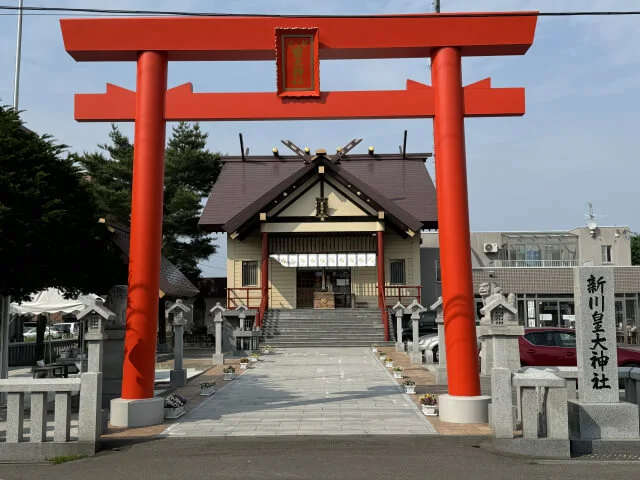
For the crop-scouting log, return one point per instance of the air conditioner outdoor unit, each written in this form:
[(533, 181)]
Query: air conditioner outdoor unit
[(490, 247)]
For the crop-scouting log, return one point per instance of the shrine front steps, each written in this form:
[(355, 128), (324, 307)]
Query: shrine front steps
[(323, 328)]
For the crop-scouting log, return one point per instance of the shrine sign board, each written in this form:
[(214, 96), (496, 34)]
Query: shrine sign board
[(298, 62), (596, 334)]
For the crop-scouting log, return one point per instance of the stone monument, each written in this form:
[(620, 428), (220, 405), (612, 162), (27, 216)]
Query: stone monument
[(216, 330), (441, 368), (498, 330), (414, 309), (598, 413), (113, 344), (398, 310), (178, 376)]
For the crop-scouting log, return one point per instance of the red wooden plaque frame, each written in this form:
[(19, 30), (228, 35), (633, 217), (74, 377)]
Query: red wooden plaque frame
[(297, 62)]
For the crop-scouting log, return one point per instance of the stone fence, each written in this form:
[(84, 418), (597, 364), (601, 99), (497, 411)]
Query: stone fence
[(540, 416), (88, 387), (40, 446)]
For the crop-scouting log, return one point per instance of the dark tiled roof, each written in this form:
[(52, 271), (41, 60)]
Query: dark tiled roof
[(404, 182), (172, 281)]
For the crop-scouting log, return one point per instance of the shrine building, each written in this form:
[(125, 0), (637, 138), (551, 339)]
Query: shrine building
[(322, 231)]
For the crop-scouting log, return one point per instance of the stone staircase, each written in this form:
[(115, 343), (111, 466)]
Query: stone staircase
[(324, 328)]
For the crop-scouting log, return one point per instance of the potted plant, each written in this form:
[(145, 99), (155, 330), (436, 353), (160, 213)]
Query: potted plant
[(244, 363), (206, 388), (388, 362), (229, 373), (383, 356), (429, 403), (174, 406), (254, 357), (397, 371), (374, 348), (267, 349), (409, 386)]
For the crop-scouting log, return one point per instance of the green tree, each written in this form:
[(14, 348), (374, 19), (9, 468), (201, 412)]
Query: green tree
[(48, 219), (635, 249), (190, 172)]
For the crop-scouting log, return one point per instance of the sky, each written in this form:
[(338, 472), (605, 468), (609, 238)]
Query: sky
[(577, 143)]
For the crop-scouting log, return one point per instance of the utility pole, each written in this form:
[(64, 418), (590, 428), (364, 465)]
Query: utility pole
[(16, 83), (5, 300)]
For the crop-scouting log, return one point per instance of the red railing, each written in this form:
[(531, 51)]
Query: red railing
[(404, 294), (250, 297)]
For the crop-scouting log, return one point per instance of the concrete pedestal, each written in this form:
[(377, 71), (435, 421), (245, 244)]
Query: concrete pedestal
[(218, 358), (137, 413), (441, 375), (178, 378), (455, 409), (594, 421), (416, 358)]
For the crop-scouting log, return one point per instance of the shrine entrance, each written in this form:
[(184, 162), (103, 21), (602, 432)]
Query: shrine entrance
[(323, 288), (296, 45)]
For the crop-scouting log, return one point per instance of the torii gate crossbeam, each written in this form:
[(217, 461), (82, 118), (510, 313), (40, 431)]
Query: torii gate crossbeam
[(153, 42)]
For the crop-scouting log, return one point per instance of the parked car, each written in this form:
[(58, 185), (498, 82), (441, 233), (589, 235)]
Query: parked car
[(431, 343), (67, 328), (29, 335), (426, 325), (556, 347)]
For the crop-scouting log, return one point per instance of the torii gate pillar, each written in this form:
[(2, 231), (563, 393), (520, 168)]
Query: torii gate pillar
[(138, 407), (463, 404)]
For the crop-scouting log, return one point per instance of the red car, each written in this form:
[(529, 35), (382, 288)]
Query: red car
[(556, 347)]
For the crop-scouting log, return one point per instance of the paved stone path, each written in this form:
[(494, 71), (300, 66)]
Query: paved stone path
[(324, 391)]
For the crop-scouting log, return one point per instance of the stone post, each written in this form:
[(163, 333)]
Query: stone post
[(178, 376), (598, 413), (398, 310), (415, 309), (90, 415), (113, 345), (441, 368), (218, 356)]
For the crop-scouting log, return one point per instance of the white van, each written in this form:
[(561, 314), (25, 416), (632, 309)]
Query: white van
[(71, 329)]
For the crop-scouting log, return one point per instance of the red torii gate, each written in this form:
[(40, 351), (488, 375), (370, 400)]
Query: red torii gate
[(153, 42)]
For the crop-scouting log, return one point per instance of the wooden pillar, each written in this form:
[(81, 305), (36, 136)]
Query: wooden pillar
[(453, 224), (138, 372), (264, 271), (381, 295)]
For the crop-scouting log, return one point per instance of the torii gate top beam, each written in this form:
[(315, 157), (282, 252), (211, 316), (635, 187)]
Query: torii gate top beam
[(252, 38)]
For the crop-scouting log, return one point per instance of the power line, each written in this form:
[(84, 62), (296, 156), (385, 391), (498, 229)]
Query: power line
[(101, 11)]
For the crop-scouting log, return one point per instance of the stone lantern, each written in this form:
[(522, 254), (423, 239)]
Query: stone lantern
[(441, 368), (90, 414), (398, 310), (499, 330), (217, 311), (178, 375), (415, 309)]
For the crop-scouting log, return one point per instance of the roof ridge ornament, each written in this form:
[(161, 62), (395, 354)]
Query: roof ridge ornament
[(342, 151)]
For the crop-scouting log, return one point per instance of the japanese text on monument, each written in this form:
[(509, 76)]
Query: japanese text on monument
[(599, 343)]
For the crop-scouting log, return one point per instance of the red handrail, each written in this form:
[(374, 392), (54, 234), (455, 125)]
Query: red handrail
[(398, 290)]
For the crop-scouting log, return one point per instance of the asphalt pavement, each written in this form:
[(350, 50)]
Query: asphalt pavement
[(322, 458)]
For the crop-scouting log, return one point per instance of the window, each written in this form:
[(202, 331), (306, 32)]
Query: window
[(566, 339), (606, 254), (397, 272), (438, 273), (249, 274), (541, 339)]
